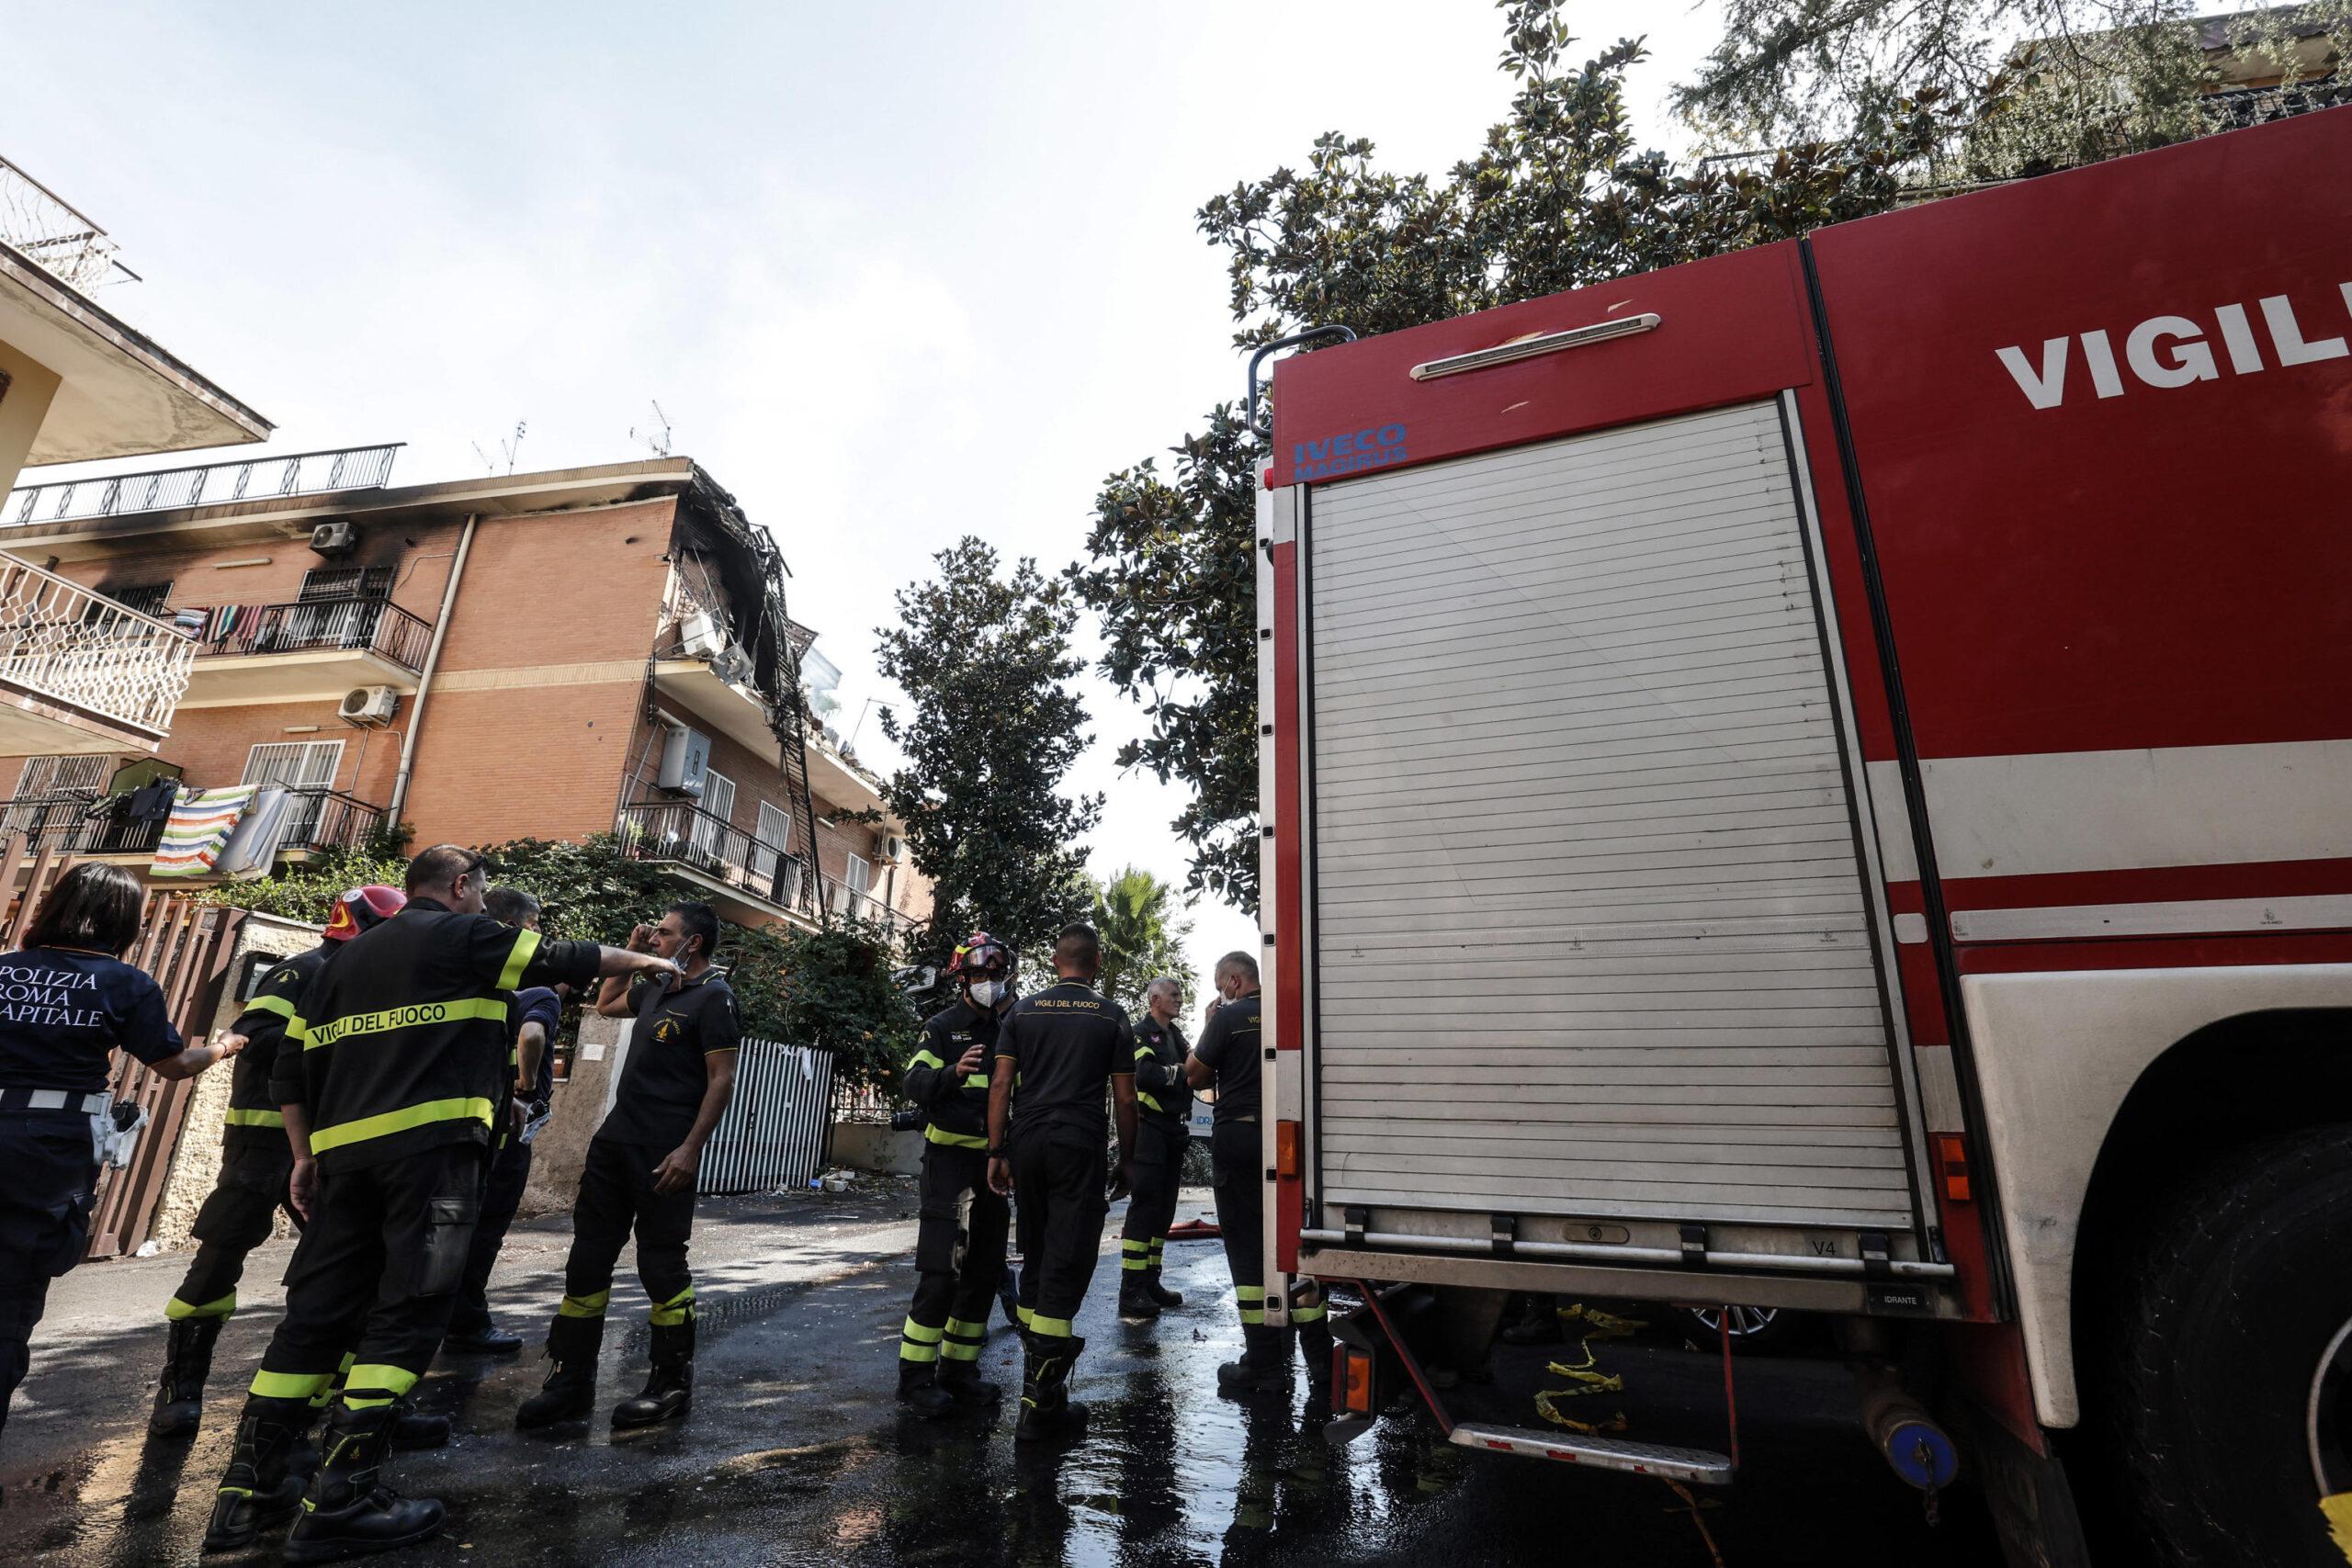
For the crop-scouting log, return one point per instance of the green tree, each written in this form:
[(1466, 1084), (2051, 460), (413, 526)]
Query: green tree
[(2034, 82), (1142, 923), (990, 731), (1557, 195)]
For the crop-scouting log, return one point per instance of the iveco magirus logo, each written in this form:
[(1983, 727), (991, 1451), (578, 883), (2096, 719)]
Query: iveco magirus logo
[(1376, 446), (2172, 351)]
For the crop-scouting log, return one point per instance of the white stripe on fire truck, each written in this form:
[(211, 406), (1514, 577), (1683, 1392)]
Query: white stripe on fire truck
[(2195, 917), (2037, 814)]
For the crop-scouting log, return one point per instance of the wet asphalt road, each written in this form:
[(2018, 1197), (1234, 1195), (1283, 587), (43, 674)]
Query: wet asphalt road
[(797, 1452)]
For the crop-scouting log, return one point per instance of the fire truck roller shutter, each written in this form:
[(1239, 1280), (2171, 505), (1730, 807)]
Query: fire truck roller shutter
[(1591, 933)]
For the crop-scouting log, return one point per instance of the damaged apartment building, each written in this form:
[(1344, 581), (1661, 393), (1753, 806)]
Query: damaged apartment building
[(546, 655)]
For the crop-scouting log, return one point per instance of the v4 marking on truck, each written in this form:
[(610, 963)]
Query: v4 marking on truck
[(2171, 351)]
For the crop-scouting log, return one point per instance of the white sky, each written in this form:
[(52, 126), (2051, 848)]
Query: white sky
[(896, 273)]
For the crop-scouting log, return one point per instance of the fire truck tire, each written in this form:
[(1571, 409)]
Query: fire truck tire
[(2238, 1296)]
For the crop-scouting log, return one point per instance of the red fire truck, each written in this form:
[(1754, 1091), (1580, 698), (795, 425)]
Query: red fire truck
[(1822, 779)]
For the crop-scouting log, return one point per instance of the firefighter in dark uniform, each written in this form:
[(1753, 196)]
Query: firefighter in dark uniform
[(939, 1347), (403, 1066), (1229, 1057), (1062, 1045), (255, 1164), (1163, 1126), (640, 1174), (67, 1003)]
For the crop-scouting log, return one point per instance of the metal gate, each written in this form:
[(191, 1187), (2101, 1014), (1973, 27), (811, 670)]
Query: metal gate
[(778, 1128), (185, 947)]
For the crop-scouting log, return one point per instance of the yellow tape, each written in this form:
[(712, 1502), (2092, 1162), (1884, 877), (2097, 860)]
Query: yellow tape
[(2338, 1510)]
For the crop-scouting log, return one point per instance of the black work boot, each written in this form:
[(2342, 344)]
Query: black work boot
[(964, 1384), (348, 1512), (480, 1336), (919, 1392), (1538, 1325), (669, 1390), (1264, 1366), (258, 1491), (1158, 1291), (1136, 1302), (1047, 1413), (411, 1431), (1314, 1349), (569, 1392), (187, 1361)]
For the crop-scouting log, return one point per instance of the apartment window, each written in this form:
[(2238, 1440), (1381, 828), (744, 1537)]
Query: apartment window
[(710, 834), (48, 778), (857, 876), (346, 583), (775, 837), (147, 598), (307, 767)]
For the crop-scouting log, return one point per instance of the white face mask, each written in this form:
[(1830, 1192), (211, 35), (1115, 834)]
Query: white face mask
[(984, 993)]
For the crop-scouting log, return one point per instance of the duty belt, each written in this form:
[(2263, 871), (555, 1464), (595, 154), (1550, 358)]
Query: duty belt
[(54, 1100)]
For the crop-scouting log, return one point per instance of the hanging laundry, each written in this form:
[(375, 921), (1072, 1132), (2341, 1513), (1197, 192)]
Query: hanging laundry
[(252, 844), (199, 824)]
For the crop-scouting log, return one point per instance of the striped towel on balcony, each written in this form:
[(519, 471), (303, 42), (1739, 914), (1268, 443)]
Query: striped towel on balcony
[(200, 823)]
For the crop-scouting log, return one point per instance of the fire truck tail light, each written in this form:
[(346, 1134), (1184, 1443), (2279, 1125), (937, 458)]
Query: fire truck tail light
[(1286, 1148), (1951, 1164), (1356, 1391), (1529, 348)]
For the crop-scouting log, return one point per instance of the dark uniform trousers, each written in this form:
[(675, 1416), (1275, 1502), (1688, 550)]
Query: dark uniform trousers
[(237, 1217), (1158, 1166), (501, 1195), (617, 1194), (384, 1249), (949, 1318), (1057, 1193), (44, 1223), (1239, 1163)]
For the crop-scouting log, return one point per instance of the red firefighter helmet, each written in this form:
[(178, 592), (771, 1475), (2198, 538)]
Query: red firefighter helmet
[(981, 957), (357, 909)]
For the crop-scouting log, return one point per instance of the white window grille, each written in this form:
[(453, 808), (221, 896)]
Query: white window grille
[(710, 836), (306, 767), (49, 778)]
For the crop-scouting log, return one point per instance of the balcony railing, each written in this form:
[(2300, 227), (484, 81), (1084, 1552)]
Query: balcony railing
[(160, 489), (375, 625), (59, 640), (87, 825), (673, 832), (844, 900)]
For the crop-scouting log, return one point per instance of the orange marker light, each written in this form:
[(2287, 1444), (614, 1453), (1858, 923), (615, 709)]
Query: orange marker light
[(1286, 1148), (1358, 1383), (1952, 1160)]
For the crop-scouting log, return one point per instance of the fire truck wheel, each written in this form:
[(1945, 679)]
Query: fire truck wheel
[(2230, 1390)]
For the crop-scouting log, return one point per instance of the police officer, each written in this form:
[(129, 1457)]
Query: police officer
[(1227, 1056), (67, 1002), (255, 1164), (1062, 1044), (939, 1347), (640, 1173), (403, 1063), (1163, 1126)]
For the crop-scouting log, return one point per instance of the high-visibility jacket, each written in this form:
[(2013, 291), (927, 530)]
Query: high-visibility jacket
[(404, 1036), (253, 1117), (958, 1107)]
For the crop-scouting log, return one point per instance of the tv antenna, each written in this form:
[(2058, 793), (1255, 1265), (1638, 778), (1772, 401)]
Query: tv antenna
[(506, 449), (658, 443)]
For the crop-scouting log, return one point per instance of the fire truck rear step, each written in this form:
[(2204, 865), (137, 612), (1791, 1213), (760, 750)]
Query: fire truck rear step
[(1701, 1467)]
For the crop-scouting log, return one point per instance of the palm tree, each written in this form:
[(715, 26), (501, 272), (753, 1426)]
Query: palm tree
[(1142, 922)]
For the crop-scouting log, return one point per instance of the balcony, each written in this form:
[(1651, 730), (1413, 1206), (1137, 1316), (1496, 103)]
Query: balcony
[(93, 826), (847, 903), (213, 484), (80, 672), (313, 650), (749, 878)]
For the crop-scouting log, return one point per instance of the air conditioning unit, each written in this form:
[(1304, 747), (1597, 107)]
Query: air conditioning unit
[(893, 848), (699, 636), (339, 538), (685, 757), (371, 706)]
